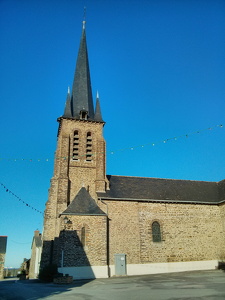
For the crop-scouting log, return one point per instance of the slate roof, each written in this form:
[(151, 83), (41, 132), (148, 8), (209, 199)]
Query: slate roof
[(81, 91), (221, 186), (83, 204), (98, 114), (3, 243), (81, 96), (166, 190), (67, 111)]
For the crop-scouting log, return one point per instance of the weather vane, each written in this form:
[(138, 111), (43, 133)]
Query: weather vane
[(84, 18)]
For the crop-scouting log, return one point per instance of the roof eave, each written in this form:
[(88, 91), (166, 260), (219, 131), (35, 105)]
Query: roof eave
[(163, 200), (80, 214)]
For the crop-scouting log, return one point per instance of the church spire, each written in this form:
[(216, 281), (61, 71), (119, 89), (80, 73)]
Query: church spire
[(98, 114), (81, 98), (67, 111)]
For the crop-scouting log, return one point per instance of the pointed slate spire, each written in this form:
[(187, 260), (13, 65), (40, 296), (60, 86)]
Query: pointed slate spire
[(81, 99), (98, 114), (83, 204), (67, 111)]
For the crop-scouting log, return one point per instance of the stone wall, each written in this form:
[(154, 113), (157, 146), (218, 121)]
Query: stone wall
[(81, 172), (71, 175), (190, 232), (74, 251), (222, 216), (2, 262)]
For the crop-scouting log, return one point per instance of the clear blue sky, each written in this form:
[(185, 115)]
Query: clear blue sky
[(159, 67)]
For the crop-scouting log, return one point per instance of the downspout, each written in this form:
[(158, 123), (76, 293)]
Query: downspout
[(107, 237), (106, 206)]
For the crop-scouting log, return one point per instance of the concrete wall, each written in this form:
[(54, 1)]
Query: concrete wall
[(158, 268), (87, 272)]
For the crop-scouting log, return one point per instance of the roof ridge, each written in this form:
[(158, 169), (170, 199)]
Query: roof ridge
[(172, 179)]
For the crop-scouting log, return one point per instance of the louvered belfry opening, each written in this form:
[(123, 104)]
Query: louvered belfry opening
[(89, 147), (76, 145)]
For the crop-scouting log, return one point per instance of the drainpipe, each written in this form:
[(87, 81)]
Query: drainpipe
[(106, 205), (107, 238), (62, 261)]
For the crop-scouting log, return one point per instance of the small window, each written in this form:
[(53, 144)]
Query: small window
[(83, 115), (83, 236), (156, 232)]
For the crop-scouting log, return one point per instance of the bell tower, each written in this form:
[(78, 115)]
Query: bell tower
[(80, 153)]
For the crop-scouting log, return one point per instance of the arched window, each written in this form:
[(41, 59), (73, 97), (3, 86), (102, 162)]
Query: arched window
[(75, 145), (89, 147), (156, 232), (83, 236)]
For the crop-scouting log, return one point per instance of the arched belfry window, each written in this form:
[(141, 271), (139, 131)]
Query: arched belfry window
[(156, 232), (75, 145), (83, 236), (89, 147)]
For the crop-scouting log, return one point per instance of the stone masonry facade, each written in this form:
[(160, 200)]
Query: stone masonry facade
[(91, 217), (78, 252), (2, 262), (190, 232), (69, 176)]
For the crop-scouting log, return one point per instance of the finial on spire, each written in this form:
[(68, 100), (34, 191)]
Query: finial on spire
[(84, 18), (97, 96), (68, 91)]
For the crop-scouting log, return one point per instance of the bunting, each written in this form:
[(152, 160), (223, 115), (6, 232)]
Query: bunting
[(19, 199), (164, 141)]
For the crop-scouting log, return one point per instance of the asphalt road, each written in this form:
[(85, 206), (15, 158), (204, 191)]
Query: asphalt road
[(208, 285)]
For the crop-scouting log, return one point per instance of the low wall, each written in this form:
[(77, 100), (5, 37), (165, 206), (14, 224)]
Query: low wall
[(138, 269), (157, 268), (88, 272)]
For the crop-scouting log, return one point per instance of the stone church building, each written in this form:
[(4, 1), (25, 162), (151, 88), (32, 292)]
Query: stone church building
[(99, 225)]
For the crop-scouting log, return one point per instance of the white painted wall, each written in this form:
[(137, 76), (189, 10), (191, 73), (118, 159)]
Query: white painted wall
[(138, 269), (85, 272), (157, 268)]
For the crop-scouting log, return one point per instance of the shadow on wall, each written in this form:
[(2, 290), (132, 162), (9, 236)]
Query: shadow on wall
[(68, 253)]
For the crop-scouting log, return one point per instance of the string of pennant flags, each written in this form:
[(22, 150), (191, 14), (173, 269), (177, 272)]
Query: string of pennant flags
[(7, 190), (164, 141)]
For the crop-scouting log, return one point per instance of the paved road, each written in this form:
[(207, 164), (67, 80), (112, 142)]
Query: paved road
[(207, 285)]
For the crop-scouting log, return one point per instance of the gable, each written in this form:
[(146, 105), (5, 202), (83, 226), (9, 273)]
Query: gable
[(83, 204)]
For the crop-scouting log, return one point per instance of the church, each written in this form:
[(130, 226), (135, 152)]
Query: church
[(98, 225)]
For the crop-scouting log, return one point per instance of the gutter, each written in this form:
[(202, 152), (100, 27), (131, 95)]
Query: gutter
[(164, 200)]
